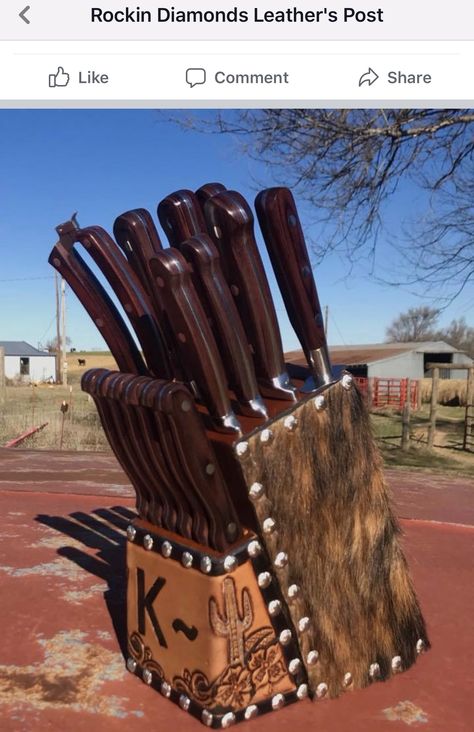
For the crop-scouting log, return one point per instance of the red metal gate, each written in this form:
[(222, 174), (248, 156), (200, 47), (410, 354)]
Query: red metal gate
[(389, 392)]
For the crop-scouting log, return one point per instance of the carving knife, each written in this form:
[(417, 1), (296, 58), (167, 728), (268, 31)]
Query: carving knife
[(231, 224), (281, 229), (199, 354)]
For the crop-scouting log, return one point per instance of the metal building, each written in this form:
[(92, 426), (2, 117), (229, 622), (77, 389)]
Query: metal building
[(23, 362)]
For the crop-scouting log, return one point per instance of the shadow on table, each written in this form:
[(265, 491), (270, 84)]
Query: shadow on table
[(102, 530)]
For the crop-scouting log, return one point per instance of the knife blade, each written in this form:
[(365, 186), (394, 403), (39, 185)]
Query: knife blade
[(201, 253), (284, 238), (199, 354), (96, 302), (231, 223)]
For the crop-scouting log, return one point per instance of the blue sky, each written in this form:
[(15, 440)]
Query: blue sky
[(103, 162)]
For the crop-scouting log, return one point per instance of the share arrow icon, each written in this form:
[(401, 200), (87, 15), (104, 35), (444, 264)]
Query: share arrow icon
[(370, 77)]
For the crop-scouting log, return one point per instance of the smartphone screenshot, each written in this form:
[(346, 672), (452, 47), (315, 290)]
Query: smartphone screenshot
[(236, 364)]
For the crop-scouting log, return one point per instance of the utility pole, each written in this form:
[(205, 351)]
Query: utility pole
[(58, 330), (326, 318), (63, 328)]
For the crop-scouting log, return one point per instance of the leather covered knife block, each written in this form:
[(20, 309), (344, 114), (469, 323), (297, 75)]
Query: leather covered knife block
[(209, 631)]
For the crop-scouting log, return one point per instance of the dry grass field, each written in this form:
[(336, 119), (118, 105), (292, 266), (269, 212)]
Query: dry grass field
[(27, 406)]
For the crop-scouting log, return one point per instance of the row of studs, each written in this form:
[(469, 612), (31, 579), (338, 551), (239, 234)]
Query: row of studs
[(206, 564)]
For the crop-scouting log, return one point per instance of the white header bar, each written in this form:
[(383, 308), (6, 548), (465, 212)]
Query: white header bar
[(242, 20)]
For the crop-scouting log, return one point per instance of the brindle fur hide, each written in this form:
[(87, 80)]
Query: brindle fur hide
[(325, 490)]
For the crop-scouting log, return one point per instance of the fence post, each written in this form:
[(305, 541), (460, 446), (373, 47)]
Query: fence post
[(2, 376), (469, 418), (406, 417), (433, 407), (370, 393)]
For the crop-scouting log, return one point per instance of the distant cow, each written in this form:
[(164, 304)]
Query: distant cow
[(81, 361)]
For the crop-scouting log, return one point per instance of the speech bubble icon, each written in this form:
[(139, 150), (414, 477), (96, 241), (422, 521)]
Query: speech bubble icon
[(195, 77)]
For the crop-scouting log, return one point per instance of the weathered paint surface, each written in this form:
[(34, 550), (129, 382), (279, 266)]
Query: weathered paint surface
[(62, 608)]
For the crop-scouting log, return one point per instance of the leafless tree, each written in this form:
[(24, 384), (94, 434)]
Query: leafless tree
[(350, 162), (417, 324)]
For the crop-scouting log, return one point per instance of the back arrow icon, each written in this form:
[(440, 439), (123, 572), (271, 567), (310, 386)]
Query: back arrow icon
[(368, 78), (23, 13)]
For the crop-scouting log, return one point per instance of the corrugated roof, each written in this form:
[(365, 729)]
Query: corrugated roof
[(369, 353), (21, 348)]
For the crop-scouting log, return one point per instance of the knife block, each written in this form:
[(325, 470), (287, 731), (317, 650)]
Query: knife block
[(209, 631)]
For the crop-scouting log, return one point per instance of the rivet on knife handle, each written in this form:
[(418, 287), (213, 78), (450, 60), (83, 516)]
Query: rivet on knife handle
[(194, 338), (231, 223), (281, 229)]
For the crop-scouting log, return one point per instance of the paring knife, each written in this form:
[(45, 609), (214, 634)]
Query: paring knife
[(96, 301), (199, 354), (131, 294), (231, 224), (281, 229)]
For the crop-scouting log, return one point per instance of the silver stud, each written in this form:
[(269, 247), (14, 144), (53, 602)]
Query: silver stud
[(206, 564), (285, 637), (319, 402), (241, 449), (166, 549), (147, 676), (131, 532), (228, 719), (278, 701), (347, 381), (131, 664), (230, 563), (254, 548), (269, 525), (274, 607), (256, 491), (374, 670), (396, 664), (302, 691), (347, 679), (312, 658), (281, 560), (266, 436), (210, 469), (303, 624), (290, 423), (187, 560), (321, 690), (420, 646), (293, 592), (264, 579), (165, 689), (207, 718), (147, 541), (251, 711), (184, 702), (294, 665)]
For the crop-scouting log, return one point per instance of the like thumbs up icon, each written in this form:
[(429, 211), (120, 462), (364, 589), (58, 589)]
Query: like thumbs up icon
[(60, 78)]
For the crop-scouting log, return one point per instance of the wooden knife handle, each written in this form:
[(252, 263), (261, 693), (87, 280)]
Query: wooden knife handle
[(100, 308), (281, 229), (136, 234), (132, 296), (231, 223), (201, 253), (207, 191), (181, 217), (199, 354)]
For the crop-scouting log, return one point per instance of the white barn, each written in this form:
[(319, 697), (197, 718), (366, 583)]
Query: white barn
[(26, 363), (395, 360)]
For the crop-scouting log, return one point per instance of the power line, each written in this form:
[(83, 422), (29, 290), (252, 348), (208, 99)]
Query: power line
[(28, 279)]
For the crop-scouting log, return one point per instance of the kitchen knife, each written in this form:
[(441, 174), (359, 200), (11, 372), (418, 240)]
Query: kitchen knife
[(230, 335), (230, 221), (281, 229), (207, 191), (199, 354), (96, 301), (131, 294)]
